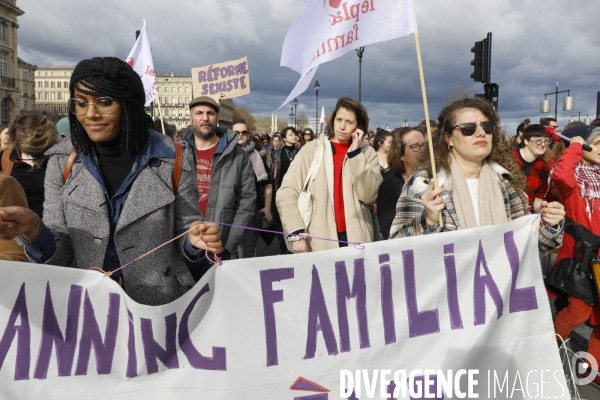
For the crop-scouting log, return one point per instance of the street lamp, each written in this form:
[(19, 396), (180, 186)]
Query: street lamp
[(317, 87), (295, 114), (568, 102), (292, 115), (587, 120), (360, 52)]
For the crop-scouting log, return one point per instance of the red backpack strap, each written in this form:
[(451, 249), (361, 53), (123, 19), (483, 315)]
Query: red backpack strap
[(6, 163), (69, 165), (177, 169)]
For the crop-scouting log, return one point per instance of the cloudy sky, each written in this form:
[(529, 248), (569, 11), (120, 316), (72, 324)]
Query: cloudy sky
[(535, 44)]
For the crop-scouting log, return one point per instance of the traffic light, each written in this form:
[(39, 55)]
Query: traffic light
[(491, 94), (482, 61)]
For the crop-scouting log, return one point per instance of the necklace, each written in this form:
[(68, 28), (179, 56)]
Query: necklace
[(290, 154)]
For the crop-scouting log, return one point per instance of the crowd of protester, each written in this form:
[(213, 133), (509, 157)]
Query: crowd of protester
[(109, 184)]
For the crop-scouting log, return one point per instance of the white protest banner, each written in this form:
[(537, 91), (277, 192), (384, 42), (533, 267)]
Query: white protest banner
[(232, 78), (140, 59), (328, 29), (465, 310)]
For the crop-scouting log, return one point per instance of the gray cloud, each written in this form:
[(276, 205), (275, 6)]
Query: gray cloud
[(535, 44)]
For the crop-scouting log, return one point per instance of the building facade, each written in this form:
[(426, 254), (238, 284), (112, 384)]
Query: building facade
[(15, 74), (26, 82), (175, 93), (52, 91)]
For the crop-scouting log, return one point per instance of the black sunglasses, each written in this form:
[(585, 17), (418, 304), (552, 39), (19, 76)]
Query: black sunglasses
[(469, 129), (242, 132)]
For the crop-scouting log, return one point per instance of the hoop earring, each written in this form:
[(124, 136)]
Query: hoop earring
[(449, 148)]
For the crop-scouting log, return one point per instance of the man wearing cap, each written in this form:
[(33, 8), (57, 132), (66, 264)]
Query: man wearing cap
[(224, 175)]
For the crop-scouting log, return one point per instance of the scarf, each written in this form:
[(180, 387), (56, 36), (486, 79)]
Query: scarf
[(257, 163), (588, 180), (491, 202)]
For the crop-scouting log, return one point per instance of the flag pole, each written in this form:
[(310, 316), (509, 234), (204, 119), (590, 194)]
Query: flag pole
[(162, 124), (426, 107)]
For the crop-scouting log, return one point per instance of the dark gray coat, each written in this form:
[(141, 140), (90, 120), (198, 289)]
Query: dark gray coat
[(77, 214), (232, 195)]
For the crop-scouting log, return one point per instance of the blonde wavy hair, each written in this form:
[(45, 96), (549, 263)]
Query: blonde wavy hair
[(501, 154), (34, 134)]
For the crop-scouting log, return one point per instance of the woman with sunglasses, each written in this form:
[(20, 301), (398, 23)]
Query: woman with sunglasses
[(407, 146), (479, 183), (529, 157), (112, 193), (307, 136)]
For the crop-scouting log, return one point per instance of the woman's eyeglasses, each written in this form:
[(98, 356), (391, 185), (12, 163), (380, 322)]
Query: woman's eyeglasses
[(103, 105), (417, 147), (306, 133), (242, 132), (469, 129)]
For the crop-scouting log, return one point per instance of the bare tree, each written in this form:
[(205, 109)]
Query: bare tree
[(240, 112), (459, 92)]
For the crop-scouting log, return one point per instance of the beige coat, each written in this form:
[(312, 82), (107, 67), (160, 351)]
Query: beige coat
[(361, 178)]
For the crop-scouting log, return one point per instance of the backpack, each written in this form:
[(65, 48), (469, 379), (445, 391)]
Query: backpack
[(6, 164), (176, 169)]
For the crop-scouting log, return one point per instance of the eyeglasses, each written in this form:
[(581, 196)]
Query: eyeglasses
[(103, 105), (306, 133), (541, 141), (417, 147), (242, 132), (469, 128)]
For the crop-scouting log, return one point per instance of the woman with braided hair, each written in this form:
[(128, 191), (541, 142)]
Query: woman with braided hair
[(115, 191)]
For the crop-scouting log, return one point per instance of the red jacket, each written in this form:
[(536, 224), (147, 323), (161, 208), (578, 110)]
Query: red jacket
[(563, 178)]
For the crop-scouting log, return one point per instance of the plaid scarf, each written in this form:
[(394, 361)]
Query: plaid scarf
[(588, 180)]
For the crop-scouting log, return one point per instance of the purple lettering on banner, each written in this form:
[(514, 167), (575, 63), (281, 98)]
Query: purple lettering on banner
[(452, 287), (523, 299), (270, 297), (359, 293), (131, 352), (152, 350), (320, 396), (479, 285), (23, 331), (235, 82), (419, 323), (390, 390), (223, 72), (218, 361), (201, 76), (245, 67), (387, 300), (219, 87), (243, 82), (239, 69), (230, 70), (204, 89), (52, 335), (318, 320), (90, 336)]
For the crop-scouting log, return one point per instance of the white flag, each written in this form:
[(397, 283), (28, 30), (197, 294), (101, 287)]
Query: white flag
[(140, 59), (322, 121), (328, 29)]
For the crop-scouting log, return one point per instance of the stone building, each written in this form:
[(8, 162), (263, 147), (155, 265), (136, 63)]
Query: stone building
[(15, 74), (25, 80), (52, 91), (175, 94)]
